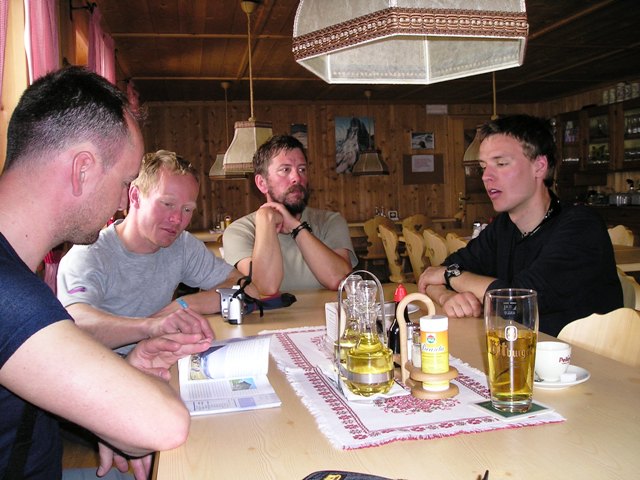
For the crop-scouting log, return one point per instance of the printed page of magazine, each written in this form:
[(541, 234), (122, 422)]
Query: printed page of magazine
[(230, 376)]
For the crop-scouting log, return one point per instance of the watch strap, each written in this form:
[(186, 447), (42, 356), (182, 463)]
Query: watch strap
[(452, 270), (299, 228)]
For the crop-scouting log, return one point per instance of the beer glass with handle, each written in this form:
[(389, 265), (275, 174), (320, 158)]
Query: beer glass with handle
[(511, 320)]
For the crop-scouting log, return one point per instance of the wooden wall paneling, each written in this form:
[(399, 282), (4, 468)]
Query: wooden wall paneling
[(334, 191), (197, 131), (183, 129), (385, 138), (205, 159), (455, 151)]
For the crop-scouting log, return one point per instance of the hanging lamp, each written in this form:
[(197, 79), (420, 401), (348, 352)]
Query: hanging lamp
[(472, 153), (408, 41), (217, 171), (370, 161), (250, 134)]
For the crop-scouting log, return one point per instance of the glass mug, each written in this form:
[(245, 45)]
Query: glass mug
[(511, 321)]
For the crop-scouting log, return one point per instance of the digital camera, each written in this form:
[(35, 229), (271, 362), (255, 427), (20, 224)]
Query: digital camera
[(232, 305)]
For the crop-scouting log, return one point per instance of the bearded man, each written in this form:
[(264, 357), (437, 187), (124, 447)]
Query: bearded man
[(285, 244)]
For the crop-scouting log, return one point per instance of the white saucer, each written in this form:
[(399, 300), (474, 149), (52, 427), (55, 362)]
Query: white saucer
[(390, 309), (582, 375)]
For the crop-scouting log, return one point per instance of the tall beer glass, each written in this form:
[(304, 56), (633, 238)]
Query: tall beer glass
[(511, 320)]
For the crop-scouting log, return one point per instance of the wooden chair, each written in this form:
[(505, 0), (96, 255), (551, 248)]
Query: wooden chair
[(417, 222), (414, 242), (454, 242), (394, 260), (621, 235), (615, 335), (375, 250), (630, 290), (215, 248), (435, 247)]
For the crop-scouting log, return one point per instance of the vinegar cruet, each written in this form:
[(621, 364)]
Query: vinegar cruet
[(349, 337)]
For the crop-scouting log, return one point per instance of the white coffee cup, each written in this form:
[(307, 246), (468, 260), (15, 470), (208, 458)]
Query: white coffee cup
[(552, 360)]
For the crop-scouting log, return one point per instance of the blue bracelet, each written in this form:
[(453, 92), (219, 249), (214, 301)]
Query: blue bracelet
[(182, 303)]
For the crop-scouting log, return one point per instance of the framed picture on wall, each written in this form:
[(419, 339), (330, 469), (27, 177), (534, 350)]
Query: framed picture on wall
[(299, 131), (353, 136), (422, 141)]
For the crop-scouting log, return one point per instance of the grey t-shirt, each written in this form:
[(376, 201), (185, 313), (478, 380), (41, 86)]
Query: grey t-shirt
[(329, 227), (109, 277)]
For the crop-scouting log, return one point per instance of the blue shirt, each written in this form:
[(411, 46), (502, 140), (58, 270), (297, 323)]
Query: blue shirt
[(27, 305)]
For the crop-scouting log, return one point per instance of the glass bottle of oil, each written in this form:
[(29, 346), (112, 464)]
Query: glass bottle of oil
[(369, 363), (349, 337)]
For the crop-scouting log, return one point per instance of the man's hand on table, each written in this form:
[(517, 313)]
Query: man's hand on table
[(454, 304), (431, 276), (462, 305), (175, 319), (153, 356), (156, 355), (141, 467)]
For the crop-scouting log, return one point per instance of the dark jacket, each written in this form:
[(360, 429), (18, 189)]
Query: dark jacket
[(569, 261)]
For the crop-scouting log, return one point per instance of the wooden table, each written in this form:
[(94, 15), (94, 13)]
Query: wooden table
[(627, 258), (599, 440), (213, 240), (207, 235)]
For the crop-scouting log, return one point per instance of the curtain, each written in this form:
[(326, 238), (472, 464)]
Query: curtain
[(102, 57), (4, 18), (41, 37)]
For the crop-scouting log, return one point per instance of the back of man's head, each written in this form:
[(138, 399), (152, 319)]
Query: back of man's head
[(271, 148), (535, 134), (62, 108), (162, 160)]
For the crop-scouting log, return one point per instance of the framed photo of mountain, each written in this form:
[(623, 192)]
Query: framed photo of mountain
[(353, 136)]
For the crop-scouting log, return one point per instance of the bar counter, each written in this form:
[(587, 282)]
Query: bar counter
[(600, 438)]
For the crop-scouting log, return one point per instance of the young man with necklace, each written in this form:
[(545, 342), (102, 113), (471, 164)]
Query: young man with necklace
[(561, 251)]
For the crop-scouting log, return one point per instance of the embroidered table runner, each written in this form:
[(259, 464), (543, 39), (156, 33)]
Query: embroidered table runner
[(302, 355)]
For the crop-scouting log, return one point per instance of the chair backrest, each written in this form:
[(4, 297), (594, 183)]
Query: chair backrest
[(417, 222), (454, 242), (375, 249), (435, 247), (621, 235), (390, 243), (630, 290), (414, 242), (615, 335)]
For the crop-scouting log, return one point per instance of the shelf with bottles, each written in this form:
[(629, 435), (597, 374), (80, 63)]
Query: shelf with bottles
[(568, 135), (600, 121), (631, 143)]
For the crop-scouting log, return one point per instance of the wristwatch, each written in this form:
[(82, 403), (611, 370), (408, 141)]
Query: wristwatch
[(453, 270)]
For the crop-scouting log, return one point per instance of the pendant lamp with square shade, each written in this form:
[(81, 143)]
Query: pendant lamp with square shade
[(408, 41), (217, 171), (250, 134)]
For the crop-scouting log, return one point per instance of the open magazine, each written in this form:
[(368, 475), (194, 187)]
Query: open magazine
[(229, 376)]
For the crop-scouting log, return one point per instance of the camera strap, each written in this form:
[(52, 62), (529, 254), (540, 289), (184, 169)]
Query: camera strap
[(268, 303)]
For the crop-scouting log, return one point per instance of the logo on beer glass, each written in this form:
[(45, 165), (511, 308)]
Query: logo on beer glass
[(511, 333)]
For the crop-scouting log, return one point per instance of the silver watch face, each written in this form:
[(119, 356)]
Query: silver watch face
[(453, 270)]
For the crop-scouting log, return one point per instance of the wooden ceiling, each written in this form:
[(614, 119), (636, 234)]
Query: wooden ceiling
[(181, 50)]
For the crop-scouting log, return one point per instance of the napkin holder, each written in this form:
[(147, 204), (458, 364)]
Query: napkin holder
[(413, 377)]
